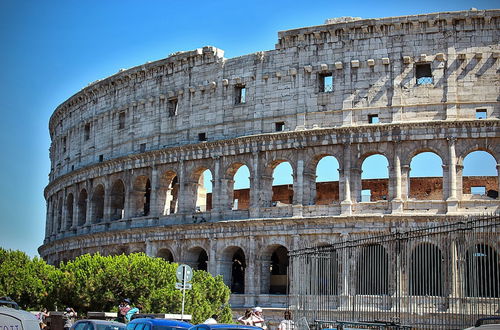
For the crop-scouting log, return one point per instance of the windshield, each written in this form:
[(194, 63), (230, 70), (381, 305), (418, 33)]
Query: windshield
[(108, 327)]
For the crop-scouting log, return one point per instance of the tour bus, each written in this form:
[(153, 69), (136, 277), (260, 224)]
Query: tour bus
[(17, 319)]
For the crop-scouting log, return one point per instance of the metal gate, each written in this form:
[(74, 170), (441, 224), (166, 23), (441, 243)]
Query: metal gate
[(443, 277)]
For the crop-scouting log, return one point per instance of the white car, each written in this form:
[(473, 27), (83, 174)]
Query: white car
[(487, 323), (17, 319)]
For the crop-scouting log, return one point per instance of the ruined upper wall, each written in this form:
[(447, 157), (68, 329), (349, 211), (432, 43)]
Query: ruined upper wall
[(373, 65)]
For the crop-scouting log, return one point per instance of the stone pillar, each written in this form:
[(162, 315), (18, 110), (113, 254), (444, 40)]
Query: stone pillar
[(149, 248), (50, 220), (397, 202), (252, 277), (254, 186), (298, 189), (405, 182), (219, 197), (64, 212), (212, 262), (460, 183), (107, 202), (346, 204), (88, 217), (309, 188), (498, 175), (356, 184), (128, 205), (265, 276), (452, 201), (154, 207)]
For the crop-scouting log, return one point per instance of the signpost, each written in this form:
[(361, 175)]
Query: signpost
[(184, 274)]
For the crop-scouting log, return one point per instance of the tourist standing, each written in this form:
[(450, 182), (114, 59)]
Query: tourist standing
[(287, 323), (123, 309), (258, 318), (133, 311), (246, 319), (69, 317), (42, 318)]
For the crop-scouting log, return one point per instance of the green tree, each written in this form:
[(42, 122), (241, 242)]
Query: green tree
[(30, 282)]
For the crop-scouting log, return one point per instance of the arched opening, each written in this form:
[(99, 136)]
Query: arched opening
[(142, 194), (426, 177), (241, 189), (165, 254), (372, 271), (59, 214), (238, 272), (374, 179), (282, 184), (82, 207), (426, 271), (327, 181), (69, 211), (481, 272), (117, 200), (171, 192), (197, 258), (279, 271), (98, 204), (204, 192), (480, 178)]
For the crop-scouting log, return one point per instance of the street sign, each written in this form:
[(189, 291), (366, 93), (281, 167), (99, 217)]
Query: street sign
[(187, 286), (184, 273)]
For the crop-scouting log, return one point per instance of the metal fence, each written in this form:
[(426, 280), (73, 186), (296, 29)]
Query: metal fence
[(443, 277)]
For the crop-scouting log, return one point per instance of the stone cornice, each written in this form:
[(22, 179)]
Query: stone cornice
[(272, 141), (221, 229)]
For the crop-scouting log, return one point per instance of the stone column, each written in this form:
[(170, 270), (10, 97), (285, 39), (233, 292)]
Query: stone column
[(50, 220), (254, 186), (397, 202), (149, 248), (298, 189), (107, 202), (129, 203), (212, 262), (64, 212), (219, 198), (346, 204), (88, 217), (154, 207), (452, 201), (309, 188), (460, 183), (498, 175), (252, 277), (405, 182)]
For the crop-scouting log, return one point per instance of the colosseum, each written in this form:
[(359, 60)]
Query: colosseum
[(147, 160)]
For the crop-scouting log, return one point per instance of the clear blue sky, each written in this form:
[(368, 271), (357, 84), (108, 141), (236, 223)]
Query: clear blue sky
[(52, 49)]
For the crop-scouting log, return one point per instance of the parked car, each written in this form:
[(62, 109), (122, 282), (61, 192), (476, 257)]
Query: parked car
[(222, 326), (11, 318), (98, 325), (157, 324), (8, 302)]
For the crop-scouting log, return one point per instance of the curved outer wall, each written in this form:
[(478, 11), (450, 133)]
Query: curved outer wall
[(118, 143)]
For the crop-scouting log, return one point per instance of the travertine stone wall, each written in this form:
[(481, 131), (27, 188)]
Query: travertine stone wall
[(125, 147)]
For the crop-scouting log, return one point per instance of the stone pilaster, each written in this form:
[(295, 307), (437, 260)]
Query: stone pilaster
[(452, 200), (346, 204)]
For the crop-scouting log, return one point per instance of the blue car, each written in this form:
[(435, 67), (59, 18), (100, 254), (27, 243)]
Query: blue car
[(157, 324), (223, 327)]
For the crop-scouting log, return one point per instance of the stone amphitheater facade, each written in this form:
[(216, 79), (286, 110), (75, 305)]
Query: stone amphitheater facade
[(128, 151)]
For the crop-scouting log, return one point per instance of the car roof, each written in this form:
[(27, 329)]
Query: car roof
[(17, 313), (170, 323), (96, 321), (224, 326)]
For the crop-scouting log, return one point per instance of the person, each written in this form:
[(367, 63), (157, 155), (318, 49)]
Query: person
[(287, 323), (258, 319), (41, 318), (133, 311), (211, 320), (123, 309), (69, 316), (246, 319)]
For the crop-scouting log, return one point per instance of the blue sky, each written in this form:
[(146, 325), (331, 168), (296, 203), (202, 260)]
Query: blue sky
[(52, 49)]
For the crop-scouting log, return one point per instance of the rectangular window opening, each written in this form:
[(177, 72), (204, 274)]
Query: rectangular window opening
[(423, 73), (279, 126), (86, 133), (142, 147), (64, 144), (241, 94), (478, 190), (366, 195), (481, 114), (121, 120), (202, 137), (101, 158), (373, 119), (326, 82), (172, 107)]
